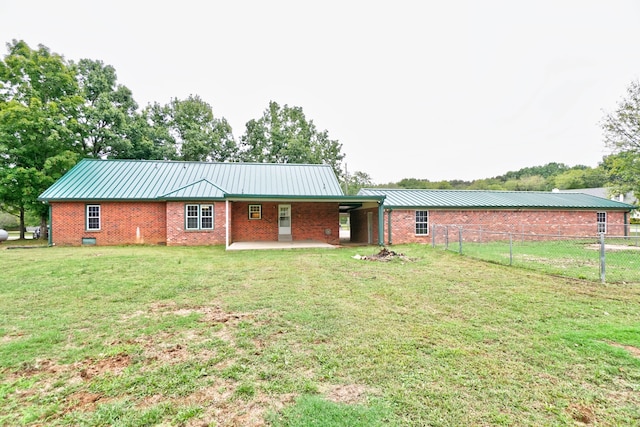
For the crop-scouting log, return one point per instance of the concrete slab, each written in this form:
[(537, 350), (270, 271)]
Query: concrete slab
[(241, 246)]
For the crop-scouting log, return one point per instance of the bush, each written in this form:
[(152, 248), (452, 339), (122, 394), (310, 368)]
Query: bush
[(9, 222)]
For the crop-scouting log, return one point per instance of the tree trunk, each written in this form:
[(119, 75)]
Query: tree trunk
[(44, 230), (22, 228)]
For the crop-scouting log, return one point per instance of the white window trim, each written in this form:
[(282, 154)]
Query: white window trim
[(199, 217), (415, 225), (259, 211), (601, 224), (87, 208)]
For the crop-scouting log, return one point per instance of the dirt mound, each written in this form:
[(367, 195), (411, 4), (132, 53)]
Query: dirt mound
[(384, 255)]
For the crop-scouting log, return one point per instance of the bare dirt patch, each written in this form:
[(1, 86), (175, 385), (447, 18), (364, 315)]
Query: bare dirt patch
[(115, 365), (582, 414), (613, 248), (349, 394)]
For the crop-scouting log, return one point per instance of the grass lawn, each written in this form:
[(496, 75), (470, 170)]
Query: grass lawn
[(197, 336), (579, 258)]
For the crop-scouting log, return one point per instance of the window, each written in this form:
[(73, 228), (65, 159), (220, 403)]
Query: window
[(255, 211), (199, 217), (93, 217), (601, 221), (422, 222)]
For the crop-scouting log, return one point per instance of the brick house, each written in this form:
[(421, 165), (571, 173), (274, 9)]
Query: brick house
[(408, 216), (122, 202)]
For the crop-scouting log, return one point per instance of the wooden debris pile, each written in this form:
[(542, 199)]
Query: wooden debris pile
[(384, 255)]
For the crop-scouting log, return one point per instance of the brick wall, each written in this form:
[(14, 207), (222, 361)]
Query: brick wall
[(309, 221), (567, 223), (122, 223), (178, 235), (360, 226)]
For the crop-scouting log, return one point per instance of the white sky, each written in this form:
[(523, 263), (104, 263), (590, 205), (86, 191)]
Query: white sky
[(412, 89)]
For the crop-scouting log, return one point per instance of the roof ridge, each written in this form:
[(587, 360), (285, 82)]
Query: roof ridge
[(191, 185)]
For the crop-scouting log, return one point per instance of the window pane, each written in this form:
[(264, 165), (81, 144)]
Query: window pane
[(192, 217), (93, 217), (192, 223), (206, 216), (422, 222)]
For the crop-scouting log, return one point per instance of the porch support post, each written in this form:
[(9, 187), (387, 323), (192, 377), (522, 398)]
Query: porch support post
[(380, 224), (226, 223), (389, 226)]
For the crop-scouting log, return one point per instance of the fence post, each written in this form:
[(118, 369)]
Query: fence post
[(446, 238), (433, 236), (603, 264), (510, 248), (460, 240)]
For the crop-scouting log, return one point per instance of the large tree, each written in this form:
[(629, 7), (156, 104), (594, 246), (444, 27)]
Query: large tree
[(190, 127), (622, 135), (284, 135), (108, 111), (39, 105)]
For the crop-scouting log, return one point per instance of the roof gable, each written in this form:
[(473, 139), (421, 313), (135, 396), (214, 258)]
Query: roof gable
[(478, 199), (93, 179)]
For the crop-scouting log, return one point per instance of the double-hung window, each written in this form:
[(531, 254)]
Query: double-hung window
[(199, 217), (255, 211), (422, 222), (93, 217), (601, 221)]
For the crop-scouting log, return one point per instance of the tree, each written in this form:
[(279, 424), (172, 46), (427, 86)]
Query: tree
[(623, 172), (189, 129), (357, 181), (39, 106), (284, 135), (622, 135), (107, 113), (622, 126)]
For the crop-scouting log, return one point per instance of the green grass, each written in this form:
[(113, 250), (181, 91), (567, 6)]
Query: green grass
[(578, 258), (197, 336)]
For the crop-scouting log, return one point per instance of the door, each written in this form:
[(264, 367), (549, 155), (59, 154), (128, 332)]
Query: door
[(284, 219)]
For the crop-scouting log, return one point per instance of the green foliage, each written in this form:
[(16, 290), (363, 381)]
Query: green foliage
[(284, 135), (537, 178), (107, 111), (8, 221), (39, 107), (622, 135), (622, 126), (357, 181)]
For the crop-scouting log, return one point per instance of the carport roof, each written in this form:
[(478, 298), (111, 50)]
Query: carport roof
[(93, 179), (480, 199)]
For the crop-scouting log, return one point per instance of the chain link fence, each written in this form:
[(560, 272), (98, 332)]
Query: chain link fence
[(598, 257)]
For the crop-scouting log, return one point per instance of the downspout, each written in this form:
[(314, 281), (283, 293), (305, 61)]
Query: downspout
[(50, 230), (389, 211), (627, 226), (380, 224), (226, 224)]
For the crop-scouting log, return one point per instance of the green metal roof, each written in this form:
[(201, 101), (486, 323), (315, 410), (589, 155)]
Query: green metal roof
[(93, 179), (477, 199)]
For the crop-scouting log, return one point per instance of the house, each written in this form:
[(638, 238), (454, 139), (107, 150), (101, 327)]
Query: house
[(409, 215), (121, 202)]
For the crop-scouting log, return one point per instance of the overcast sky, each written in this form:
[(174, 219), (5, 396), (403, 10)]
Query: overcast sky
[(412, 89)]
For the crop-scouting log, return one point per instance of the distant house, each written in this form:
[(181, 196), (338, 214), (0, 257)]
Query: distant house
[(408, 215), (606, 193), (120, 202)]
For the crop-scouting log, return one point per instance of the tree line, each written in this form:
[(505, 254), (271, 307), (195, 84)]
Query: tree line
[(53, 112)]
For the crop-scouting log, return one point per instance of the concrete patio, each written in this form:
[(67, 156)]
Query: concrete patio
[(240, 246)]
